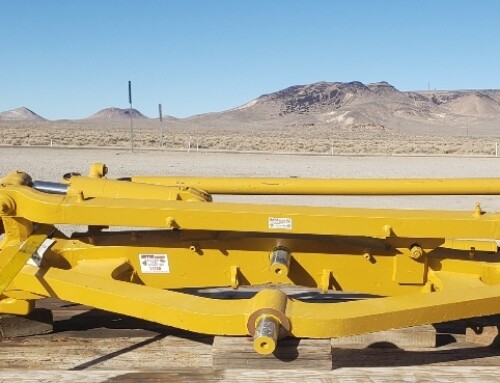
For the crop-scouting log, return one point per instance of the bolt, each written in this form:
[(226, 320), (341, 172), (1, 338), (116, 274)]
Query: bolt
[(416, 252), (170, 223), (79, 196), (477, 211), (472, 252), (387, 230)]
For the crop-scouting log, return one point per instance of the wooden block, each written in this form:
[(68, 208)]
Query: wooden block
[(485, 335), (291, 353), (38, 322), (411, 337)]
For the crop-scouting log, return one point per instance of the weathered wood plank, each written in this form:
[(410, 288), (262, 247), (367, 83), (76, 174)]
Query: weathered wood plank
[(162, 351), (405, 338), (154, 352), (415, 374), (369, 375), (238, 352)]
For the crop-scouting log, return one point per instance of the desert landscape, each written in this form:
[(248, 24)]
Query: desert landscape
[(320, 118)]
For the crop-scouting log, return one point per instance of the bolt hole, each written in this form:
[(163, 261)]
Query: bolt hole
[(278, 271), (264, 345)]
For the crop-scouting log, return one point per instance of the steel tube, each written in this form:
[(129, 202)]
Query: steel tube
[(318, 186)]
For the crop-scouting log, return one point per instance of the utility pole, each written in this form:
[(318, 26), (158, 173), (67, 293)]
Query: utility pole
[(161, 125), (130, 115)]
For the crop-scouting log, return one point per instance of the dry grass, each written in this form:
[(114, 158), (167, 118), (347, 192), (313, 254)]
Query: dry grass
[(299, 139)]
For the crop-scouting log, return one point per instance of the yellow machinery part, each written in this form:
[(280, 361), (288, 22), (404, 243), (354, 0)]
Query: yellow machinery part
[(98, 187), (422, 266), (166, 214), (321, 186), (460, 297)]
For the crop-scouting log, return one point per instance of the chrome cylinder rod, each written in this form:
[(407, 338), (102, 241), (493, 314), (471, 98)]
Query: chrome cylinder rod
[(50, 187)]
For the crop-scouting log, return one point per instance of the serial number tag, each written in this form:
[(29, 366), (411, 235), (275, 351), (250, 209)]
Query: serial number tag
[(154, 263), (280, 223)]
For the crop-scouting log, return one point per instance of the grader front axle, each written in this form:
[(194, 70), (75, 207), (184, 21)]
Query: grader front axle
[(148, 239)]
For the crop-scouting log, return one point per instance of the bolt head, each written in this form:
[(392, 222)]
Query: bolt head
[(416, 252)]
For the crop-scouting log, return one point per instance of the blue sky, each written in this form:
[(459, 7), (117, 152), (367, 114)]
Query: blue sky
[(69, 59)]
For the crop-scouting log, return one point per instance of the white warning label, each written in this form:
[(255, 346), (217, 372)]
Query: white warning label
[(280, 223), (154, 263)]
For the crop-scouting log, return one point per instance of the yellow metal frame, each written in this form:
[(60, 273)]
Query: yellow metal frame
[(423, 266)]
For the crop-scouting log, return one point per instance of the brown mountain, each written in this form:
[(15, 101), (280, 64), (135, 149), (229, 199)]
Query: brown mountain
[(355, 97), (20, 114), (355, 104), (117, 113)]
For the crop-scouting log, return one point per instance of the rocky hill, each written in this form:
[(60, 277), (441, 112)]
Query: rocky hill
[(117, 113), (20, 114), (376, 106)]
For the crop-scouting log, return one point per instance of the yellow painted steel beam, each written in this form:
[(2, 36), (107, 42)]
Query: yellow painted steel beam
[(467, 297), (184, 311), (198, 260), (458, 297), (210, 262), (382, 272), (377, 223), (321, 186)]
